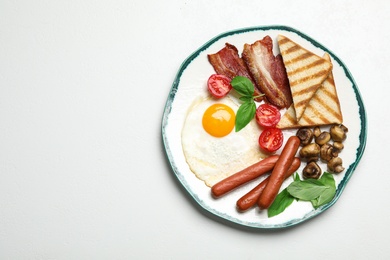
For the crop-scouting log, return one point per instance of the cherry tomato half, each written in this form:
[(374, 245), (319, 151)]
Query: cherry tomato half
[(219, 85), (267, 115), (271, 139)]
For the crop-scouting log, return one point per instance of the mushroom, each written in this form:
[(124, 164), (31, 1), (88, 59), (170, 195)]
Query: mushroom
[(305, 135), (310, 150), (335, 152), (313, 158), (317, 131), (323, 138), (326, 152), (337, 133), (337, 147), (336, 165), (312, 170)]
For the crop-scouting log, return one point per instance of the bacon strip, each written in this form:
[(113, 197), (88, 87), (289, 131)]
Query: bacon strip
[(227, 62), (268, 72)]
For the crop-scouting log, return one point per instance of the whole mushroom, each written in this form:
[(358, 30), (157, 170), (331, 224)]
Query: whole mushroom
[(310, 150), (323, 138), (326, 152), (337, 148), (316, 131), (312, 170), (305, 135), (335, 165), (338, 133)]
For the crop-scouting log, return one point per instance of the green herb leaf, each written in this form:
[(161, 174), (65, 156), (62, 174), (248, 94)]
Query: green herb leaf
[(297, 178), (246, 99), (243, 86), (281, 202), (306, 190), (318, 192), (245, 114), (327, 179), (325, 197)]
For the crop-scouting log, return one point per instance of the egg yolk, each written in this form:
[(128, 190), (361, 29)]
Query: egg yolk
[(218, 120)]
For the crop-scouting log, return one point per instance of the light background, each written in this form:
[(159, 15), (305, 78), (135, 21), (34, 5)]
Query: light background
[(83, 172)]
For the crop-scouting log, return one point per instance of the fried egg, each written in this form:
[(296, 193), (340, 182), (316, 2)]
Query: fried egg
[(212, 148)]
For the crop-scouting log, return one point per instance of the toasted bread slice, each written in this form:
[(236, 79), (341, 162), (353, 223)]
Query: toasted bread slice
[(323, 108), (305, 71)]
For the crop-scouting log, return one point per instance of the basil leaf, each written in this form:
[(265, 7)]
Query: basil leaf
[(246, 99), (306, 190), (281, 202), (245, 114), (243, 86), (318, 192), (325, 197), (297, 178), (327, 179), (314, 182)]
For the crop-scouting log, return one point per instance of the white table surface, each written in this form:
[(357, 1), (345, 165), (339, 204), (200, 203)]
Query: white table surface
[(83, 172)]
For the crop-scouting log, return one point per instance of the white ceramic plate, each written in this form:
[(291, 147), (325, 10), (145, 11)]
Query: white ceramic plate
[(191, 80)]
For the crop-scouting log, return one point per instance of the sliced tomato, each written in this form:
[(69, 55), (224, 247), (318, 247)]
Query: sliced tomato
[(219, 85), (271, 139), (267, 115)]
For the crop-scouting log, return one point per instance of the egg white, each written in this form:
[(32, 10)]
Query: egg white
[(210, 158)]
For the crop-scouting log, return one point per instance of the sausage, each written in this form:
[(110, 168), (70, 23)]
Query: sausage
[(278, 173), (243, 176), (248, 200)]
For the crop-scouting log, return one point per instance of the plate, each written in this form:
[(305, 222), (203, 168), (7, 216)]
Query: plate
[(191, 79)]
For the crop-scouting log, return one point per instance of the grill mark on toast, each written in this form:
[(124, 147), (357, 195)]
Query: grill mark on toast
[(299, 58), (307, 78), (309, 66), (328, 93), (322, 102), (291, 49), (303, 91), (307, 119), (290, 118), (283, 40), (320, 120)]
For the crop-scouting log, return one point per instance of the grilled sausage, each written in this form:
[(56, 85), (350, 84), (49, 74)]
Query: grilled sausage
[(249, 200), (241, 177), (278, 173)]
